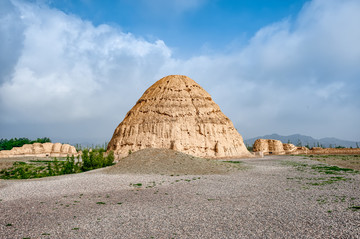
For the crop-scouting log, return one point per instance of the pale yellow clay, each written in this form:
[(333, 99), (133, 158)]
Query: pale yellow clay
[(40, 150), (177, 113), (269, 146), (272, 146)]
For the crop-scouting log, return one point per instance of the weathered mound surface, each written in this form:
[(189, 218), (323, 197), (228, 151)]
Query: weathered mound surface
[(273, 146), (40, 150), (169, 162), (289, 148), (176, 113), (269, 146)]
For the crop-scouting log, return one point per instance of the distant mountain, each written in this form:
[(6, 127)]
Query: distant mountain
[(303, 140)]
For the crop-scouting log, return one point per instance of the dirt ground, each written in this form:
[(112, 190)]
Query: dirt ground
[(344, 161), (271, 197)]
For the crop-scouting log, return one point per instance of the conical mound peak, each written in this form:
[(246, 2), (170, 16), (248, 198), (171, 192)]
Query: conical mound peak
[(177, 113), (174, 96)]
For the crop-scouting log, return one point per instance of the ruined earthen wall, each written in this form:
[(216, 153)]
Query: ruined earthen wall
[(268, 146), (289, 148), (271, 146), (40, 150)]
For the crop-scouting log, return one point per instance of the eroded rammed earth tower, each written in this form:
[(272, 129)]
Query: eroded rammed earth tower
[(177, 113)]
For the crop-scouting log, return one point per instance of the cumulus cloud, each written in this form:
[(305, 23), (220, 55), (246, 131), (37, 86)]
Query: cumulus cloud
[(11, 39), (69, 69), (298, 75), (293, 75)]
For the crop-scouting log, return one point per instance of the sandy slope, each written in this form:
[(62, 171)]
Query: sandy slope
[(169, 162)]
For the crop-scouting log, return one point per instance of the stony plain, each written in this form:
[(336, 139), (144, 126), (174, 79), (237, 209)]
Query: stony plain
[(271, 197)]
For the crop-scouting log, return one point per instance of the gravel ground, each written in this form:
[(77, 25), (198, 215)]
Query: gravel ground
[(274, 197)]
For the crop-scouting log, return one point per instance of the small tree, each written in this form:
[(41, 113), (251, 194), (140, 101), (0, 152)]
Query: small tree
[(86, 160), (49, 169), (97, 159), (68, 166), (56, 166), (110, 158), (299, 144), (78, 164)]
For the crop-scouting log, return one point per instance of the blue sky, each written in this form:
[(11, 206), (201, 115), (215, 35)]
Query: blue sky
[(70, 70), (189, 27)]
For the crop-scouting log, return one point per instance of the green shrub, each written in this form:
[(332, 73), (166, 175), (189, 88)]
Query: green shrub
[(110, 158), (95, 159), (7, 144), (86, 160), (43, 168)]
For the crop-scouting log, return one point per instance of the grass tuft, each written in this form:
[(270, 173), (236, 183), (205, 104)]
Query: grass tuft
[(354, 208)]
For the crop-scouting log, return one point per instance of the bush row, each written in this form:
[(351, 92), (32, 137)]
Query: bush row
[(7, 144), (44, 168)]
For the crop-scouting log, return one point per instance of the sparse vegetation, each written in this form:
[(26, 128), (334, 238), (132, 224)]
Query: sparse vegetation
[(325, 181), (342, 161), (329, 174), (44, 168), (354, 208), (321, 168), (237, 162), (331, 169), (137, 185), (80, 147)]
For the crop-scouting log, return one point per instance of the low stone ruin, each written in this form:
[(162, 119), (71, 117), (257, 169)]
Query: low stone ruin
[(268, 146), (40, 150), (276, 147)]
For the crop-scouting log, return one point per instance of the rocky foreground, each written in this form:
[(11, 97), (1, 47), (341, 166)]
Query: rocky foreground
[(273, 197)]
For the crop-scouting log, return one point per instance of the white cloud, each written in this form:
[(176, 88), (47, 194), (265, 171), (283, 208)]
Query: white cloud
[(295, 76), (290, 70), (69, 69)]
